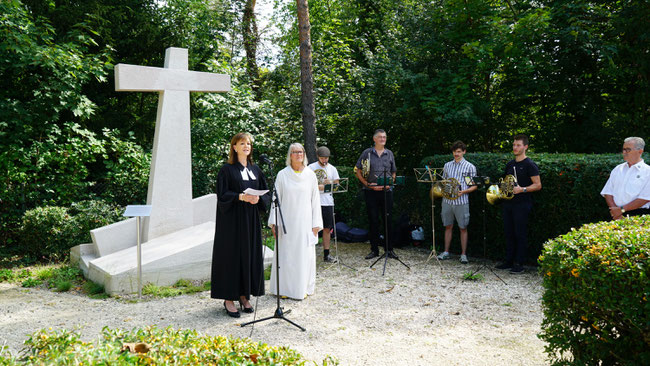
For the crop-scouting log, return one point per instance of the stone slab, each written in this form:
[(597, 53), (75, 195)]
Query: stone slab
[(183, 254), (115, 237), (204, 208), (83, 254)]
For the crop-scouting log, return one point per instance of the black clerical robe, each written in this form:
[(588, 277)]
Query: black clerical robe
[(237, 259)]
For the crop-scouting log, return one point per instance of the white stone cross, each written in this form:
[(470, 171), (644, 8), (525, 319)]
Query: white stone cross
[(170, 179)]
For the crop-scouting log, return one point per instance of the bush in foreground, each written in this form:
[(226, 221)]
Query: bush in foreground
[(596, 292), (168, 346)]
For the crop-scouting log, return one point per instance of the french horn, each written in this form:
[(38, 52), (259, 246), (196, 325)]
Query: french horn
[(365, 168), (447, 188), (504, 190)]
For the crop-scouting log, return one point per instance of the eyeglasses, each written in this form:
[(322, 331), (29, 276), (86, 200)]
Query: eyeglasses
[(627, 150), (298, 152)]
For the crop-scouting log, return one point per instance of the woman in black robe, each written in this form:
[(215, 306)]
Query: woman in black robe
[(237, 258)]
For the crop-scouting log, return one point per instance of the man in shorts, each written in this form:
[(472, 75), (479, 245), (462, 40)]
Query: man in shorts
[(326, 173), (457, 209)]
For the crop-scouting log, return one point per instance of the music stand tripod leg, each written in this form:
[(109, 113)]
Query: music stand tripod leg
[(433, 233), (483, 265), (386, 229)]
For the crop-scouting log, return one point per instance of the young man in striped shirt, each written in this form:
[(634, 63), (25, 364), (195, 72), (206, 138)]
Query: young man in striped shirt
[(457, 209)]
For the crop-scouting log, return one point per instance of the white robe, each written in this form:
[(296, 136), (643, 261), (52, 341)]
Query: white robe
[(300, 203)]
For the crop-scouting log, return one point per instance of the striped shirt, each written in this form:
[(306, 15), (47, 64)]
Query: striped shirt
[(459, 171)]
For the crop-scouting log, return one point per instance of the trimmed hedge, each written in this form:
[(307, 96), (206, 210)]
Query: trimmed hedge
[(570, 197), (596, 308), (167, 347)]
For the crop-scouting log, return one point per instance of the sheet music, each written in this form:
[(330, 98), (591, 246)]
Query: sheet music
[(255, 192)]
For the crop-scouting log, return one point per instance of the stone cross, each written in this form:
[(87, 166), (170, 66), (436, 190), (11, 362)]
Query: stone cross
[(170, 179)]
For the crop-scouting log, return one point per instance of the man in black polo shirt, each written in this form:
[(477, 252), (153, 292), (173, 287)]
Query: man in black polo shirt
[(516, 211), (375, 162)]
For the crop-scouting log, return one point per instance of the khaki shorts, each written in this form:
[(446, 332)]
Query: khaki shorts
[(459, 212)]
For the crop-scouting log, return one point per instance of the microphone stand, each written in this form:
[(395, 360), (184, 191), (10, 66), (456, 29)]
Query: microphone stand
[(386, 226), (279, 313)]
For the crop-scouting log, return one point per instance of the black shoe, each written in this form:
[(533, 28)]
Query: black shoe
[(330, 259), (372, 255), (245, 309), (504, 265), (517, 269), (234, 314), (392, 254)]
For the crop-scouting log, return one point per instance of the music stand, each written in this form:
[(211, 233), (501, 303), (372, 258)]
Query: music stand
[(431, 176), (387, 181), (338, 186), (481, 182)]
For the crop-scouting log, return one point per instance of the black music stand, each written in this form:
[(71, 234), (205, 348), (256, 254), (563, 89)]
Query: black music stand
[(339, 186), (386, 182), (279, 313), (481, 182)]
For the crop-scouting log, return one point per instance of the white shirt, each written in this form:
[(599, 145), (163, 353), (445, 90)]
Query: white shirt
[(322, 173), (627, 183)]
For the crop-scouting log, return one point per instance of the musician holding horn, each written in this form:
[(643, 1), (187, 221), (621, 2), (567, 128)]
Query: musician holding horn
[(458, 207), (516, 210), (373, 163)]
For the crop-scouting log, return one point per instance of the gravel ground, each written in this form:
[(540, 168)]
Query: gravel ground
[(423, 316)]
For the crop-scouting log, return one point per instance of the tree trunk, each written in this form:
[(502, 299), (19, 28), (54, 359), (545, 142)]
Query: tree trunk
[(251, 37), (306, 81)]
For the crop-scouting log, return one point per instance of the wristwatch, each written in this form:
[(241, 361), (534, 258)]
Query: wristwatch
[(622, 210), (524, 189)]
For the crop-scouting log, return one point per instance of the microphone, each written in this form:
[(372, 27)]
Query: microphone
[(265, 159)]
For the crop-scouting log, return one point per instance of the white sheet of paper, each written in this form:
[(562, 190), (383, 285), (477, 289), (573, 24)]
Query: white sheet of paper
[(255, 192)]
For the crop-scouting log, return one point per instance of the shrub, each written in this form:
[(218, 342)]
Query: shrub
[(47, 231), (596, 292), (168, 346), (92, 214), (51, 231)]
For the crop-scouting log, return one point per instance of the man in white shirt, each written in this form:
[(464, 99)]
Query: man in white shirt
[(326, 173), (627, 191)]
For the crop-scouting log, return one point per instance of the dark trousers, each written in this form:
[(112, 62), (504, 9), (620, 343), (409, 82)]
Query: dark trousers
[(515, 223), (375, 204)]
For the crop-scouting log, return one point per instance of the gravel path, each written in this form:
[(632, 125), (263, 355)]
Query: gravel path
[(424, 316)]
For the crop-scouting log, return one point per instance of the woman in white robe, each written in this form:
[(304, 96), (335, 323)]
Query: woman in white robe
[(297, 190)]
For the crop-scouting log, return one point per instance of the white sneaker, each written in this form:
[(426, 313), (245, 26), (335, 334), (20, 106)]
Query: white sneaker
[(463, 259), (443, 255)]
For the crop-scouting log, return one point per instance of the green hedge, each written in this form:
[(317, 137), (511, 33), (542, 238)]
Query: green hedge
[(570, 197), (51, 231), (168, 347), (596, 292)]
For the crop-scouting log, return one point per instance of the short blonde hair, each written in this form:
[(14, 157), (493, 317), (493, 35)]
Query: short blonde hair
[(305, 161)]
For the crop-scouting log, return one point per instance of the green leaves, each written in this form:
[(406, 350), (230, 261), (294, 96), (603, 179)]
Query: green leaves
[(167, 346), (596, 307)]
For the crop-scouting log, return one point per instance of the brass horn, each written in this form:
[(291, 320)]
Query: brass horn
[(504, 190), (447, 188)]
